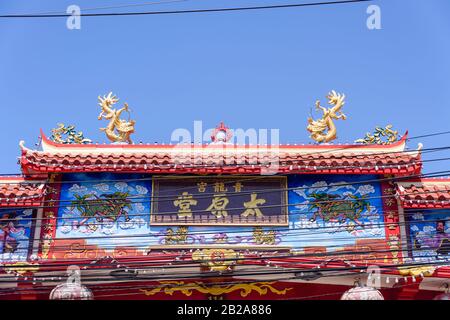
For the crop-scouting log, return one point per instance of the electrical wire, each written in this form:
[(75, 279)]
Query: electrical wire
[(175, 260), (293, 5), (392, 267), (287, 205)]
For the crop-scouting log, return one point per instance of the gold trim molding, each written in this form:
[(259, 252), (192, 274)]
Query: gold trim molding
[(170, 287)]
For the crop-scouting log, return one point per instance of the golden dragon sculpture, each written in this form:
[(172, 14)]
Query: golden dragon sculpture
[(117, 130), (326, 123)]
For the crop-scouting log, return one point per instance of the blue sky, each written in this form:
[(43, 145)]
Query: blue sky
[(255, 69)]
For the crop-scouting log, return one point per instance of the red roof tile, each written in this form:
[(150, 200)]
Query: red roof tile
[(19, 192), (163, 162), (426, 193), (232, 159)]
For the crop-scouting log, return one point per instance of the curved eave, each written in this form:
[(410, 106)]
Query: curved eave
[(428, 193), (21, 192)]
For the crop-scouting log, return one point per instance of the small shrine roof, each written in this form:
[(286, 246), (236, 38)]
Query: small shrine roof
[(18, 191), (425, 193)]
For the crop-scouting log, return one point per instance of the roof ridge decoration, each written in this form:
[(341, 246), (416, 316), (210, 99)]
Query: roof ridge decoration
[(221, 134), (376, 138), (71, 135), (214, 159), (321, 149), (117, 130), (326, 123)]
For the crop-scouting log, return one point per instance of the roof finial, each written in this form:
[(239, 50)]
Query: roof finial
[(318, 127), (118, 130), (221, 134)]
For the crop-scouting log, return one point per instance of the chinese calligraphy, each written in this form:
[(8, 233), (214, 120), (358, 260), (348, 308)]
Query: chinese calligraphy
[(185, 201), (202, 186), (252, 206), (218, 204), (209, 200), (220, 187)]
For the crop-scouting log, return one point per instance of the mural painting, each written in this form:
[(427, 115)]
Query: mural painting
[(334, 211), (429, 233), (108, 212), (15, 234)]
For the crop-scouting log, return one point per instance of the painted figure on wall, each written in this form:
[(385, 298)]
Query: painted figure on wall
[(439, 240), (14, 234)]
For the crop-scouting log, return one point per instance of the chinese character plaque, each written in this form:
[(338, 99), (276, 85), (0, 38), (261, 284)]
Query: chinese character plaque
[(238, 201)]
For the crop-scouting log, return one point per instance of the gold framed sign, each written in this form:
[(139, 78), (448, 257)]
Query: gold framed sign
[(218, 200)]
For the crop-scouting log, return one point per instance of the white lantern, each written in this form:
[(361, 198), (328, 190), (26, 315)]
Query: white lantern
[(442, 296), (72, 289), (445, 295), (362, 293)]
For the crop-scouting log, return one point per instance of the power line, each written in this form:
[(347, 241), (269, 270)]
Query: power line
[(111, 7), (310, 230), (179, 262), (429, 135), (96, 278), (297, 5), (175, 260), (201, 211), (251, 177)]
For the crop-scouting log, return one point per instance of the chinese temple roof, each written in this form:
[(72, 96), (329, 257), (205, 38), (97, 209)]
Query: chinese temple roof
[(221, 158), (16, 192), (425, 193)]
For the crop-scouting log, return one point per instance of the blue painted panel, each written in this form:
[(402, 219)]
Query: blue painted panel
[(310, 226), (429, 234), (15, 234), (309, 222)]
